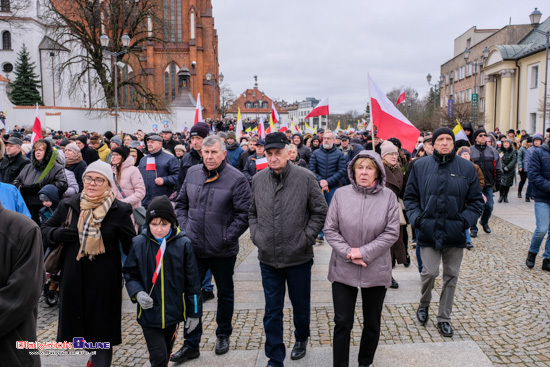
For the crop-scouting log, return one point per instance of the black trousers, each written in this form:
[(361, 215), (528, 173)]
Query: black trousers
[(523, 179), (160, 343), (344, 298)]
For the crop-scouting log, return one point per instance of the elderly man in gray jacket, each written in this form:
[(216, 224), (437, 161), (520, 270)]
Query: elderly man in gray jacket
[(287, 211)]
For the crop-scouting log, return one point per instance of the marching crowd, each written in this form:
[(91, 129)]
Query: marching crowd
[(163, 214)]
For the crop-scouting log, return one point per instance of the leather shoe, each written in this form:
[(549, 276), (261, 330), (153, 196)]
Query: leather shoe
[(445, 329), (422, 314), (185, 354), (469, 246), (473, 233), (207, 295), (394, 284), (530, 262), (486, 228), (298, 351), (222, 344)]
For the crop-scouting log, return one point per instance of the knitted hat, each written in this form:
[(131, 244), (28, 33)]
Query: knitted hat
[(479, 131), (222, 135), (538, 136), (231, 135), (122, 151), (103, 169), (180, 147), (386, 148), (443, 131), (72, 147), (161, 207), (200, 129), (116, 140), (108, 135), (83, 139), (395, 142), (462, 150)]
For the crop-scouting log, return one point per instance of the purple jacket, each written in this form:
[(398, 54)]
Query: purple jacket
[(367, 218)]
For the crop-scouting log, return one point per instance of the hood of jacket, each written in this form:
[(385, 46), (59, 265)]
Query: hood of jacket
[(51, 192), (380, 180), (128, 162), (60, 157), (41, 165), (301, 139)]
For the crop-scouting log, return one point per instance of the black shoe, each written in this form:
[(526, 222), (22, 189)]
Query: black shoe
[(473, 233), (546, 264), (469, 246), (298, 351), (486, 228), (527, 200), (185, 354), (506, 198), (519, 195), (394, 284), (222, 344), (422, 314), (501, 198), (530, 262), (207, 295), (445, 329), (407, 261)]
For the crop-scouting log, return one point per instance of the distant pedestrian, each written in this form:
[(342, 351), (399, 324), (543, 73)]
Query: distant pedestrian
[(508, 159)]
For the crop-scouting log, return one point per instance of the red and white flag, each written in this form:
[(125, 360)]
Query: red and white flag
[(36, 128), (274, 114), (261, 163), (198, 111), (160, 255), (261, 130), (401, 97), (320, 110), (151, 164), (389, 120)]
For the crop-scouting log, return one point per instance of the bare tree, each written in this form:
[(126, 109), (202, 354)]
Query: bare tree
[(78, 25), (11, 10), (227, 98)]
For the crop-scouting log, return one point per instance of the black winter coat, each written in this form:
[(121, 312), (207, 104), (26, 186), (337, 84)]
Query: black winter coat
[(212, 207), (539, 173), (328, 165), (509, 159), (443, 198), (188, 160), (89, 155), (488, 159), (177, 291), (170, 145), (78, 170), (90, 300), (10, 167)]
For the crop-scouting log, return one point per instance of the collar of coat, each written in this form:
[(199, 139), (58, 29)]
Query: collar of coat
[(442, 159), (283, 175), (213, 175)]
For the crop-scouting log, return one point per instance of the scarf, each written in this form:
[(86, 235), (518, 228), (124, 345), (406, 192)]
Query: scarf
[(92, 213), (74, 160)]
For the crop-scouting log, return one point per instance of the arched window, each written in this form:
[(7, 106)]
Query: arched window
[(126, 91), (256, 105), (264, 105), (170, 82), (248, 104), (6, 40), (5, 5), (192, 24)]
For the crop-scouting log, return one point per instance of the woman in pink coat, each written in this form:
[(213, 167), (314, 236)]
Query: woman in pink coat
[(361, 226), (130, 187)]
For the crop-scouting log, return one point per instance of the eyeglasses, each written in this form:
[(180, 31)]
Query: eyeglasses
[(482, 135), (394, 154), (97, 181)]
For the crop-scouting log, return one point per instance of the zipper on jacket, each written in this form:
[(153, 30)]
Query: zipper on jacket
[(162, 290), (184, 308), (361, 216)]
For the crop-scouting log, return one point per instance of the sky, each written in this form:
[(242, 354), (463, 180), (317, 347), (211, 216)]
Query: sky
[(322, 48)]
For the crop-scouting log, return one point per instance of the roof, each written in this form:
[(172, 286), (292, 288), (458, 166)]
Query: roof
[(184, 99), (254, 95), (49, 44), (534, 42)]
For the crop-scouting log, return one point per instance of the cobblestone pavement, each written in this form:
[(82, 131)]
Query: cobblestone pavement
[(499, 304)]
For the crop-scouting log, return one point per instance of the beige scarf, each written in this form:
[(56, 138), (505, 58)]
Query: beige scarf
[(73, 160), (92, 213)]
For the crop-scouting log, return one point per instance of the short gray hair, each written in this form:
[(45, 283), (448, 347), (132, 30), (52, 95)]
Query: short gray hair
[(213, 139)]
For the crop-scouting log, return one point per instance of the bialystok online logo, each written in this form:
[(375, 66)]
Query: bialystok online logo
[(77, 343)]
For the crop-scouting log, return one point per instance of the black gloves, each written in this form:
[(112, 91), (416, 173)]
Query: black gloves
[(29, 189), (62, 235)]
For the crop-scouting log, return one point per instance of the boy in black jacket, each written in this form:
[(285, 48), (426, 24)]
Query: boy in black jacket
[(161, 275)]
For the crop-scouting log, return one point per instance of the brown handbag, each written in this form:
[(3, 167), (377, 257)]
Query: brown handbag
[(53, 260)]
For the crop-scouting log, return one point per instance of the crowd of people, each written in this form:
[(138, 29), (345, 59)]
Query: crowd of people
[(165, 213)]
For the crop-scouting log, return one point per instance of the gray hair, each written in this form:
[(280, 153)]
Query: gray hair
[(293, 147), (213, 139)]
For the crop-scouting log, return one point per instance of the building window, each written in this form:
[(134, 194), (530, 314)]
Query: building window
[(6, 40), (482, 78), (166, 86), (178, 20), (5, 5), (462, 69), (447, 79), (173, 80), (248, 105), (170, 82), (534, 77), (482, 105), (533, 122), (468, 42), (468, 69), (468, 95), (192, 25), (264, 105)]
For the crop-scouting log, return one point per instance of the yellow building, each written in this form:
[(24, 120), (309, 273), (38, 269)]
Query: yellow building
[(514, 84)]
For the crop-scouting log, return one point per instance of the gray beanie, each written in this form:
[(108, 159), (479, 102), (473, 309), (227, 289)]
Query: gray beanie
[(116, 139), (103, 169)]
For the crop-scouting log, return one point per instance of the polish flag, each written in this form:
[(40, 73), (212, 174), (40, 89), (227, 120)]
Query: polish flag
[(401, 97), (198, 111), (389, 120), (36, 128), (160, 255), (151, 164), (261, 163), (261, 130), (320, 110), (274, 114)]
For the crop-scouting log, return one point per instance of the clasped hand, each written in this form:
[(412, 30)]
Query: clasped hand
[(356, 257)]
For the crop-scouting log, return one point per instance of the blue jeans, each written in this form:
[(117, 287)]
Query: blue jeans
[(207, 285), (222, 269), (542, 215), (298, 281), (487, 209), (328, 197), (468, 238)]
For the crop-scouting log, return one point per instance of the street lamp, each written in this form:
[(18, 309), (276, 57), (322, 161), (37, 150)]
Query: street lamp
[(213, 83), (437, 87), (125, 40), (535, 19), (483, 58)]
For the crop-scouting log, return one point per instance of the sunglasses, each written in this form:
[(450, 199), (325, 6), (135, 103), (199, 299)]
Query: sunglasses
[(482, 135)]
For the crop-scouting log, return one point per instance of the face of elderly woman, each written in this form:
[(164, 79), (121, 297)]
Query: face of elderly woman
[(391, 158), (365, 173), (95, 184)]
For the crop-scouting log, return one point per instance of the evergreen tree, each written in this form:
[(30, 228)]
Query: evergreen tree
[(25, 87)]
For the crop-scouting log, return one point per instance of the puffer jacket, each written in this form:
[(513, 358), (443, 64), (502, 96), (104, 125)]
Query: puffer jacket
[(131, 183), (286, 214), (234, 151), (78, 170), (190, 159), (303, 151), (212, 207), (488, 159), (443, 198), (177, 292), (72, 183), (103, 152), (528, 153), (508, 159), (521, 155), (167, 167), (364, 218), (539, 173), (328, 165)]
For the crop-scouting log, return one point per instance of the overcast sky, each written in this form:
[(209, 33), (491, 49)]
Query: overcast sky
[(322, 48)]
